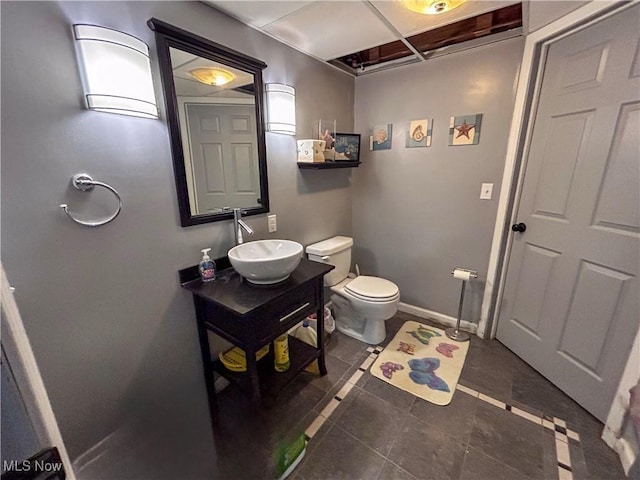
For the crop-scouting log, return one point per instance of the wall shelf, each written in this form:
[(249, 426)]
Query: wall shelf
[(325, 165)]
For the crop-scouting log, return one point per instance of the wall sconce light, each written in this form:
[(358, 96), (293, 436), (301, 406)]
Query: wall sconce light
[(116, 72), (281, 108), (432, 7)]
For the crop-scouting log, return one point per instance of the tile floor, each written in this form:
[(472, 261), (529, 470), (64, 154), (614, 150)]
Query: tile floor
[(381, 432)]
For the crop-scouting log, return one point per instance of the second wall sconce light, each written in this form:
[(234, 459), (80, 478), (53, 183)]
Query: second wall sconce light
[(116, 71), (281, 108)]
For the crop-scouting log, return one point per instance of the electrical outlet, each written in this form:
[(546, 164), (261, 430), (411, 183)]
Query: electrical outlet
[(486, 191), (273, 225)]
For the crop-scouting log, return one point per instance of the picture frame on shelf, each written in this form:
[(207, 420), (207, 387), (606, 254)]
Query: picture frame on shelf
[(347, 147)]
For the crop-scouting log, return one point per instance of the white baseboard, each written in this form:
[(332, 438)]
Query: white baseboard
[(440, 317), (122, 436), (622, 447)]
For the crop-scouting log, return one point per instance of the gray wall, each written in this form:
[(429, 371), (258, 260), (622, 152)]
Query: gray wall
[(416, 211), (538, 13), (19, 440), (113, 333)]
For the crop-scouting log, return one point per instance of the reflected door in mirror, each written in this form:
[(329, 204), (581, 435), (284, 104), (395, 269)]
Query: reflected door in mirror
[(223, 157)]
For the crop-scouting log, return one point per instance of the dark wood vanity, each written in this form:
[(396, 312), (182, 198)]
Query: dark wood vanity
[(252, 316)]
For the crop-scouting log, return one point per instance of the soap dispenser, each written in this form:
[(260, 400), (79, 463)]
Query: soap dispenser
[(207, 267)]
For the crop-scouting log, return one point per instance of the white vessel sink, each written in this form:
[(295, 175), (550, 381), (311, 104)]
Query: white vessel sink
[(266, 261)]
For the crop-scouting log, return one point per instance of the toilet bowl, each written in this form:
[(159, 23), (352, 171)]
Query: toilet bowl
[(362, 303)]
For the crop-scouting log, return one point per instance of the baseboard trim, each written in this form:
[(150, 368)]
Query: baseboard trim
[(440, 317), (110, 442), (622, 447)]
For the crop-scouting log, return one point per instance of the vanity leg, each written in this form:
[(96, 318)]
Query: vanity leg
[(205, 351), (252, 370), (320, 329)]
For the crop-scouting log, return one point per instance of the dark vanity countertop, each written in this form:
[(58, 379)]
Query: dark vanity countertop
[(233, 293)]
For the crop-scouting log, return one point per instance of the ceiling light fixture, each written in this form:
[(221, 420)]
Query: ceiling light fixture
[(432, 7), (212, 76)]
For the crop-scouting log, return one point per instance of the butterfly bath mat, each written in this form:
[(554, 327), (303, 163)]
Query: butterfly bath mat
[(423, 361)]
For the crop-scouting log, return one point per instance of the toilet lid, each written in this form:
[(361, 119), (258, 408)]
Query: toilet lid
[(372, 287)]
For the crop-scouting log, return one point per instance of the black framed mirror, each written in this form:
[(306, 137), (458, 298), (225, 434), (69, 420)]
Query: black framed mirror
[(214, 103)]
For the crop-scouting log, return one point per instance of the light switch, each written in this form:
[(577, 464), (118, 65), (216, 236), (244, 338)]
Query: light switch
[(486, 191), (273, 226)]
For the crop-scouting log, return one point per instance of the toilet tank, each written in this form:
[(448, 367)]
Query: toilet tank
[(335, 251)]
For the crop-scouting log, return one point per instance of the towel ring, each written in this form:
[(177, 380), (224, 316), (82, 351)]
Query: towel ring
[(84, 183)]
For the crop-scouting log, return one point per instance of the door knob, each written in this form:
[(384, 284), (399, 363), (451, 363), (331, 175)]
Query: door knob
[(518, 227)]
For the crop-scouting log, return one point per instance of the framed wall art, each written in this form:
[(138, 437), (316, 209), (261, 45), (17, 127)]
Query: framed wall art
[(381, 136), (419, 133), (465, 130)]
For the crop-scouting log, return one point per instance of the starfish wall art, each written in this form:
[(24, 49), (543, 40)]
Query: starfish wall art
[(465, 129)]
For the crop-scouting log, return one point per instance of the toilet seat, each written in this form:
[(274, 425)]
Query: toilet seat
[(372, 289)]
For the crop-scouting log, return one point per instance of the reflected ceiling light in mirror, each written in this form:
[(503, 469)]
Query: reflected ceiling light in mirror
[(212, 76), (116, 71), (432, 7), (281, 108)]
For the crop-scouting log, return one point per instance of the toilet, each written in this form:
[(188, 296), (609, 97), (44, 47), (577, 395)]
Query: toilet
[(362, 303)]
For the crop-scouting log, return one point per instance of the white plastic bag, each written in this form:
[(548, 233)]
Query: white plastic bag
[(329, 322)]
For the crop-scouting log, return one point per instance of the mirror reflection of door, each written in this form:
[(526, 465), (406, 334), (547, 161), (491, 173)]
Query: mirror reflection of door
[(216, 106), (224, 162)]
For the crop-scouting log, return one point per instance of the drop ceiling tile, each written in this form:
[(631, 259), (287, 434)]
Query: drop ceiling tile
[(329, 30), (183, 62), (257, 13), (409, 23), (180, 57)]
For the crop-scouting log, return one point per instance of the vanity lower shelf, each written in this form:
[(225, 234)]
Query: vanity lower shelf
[(301, 355)]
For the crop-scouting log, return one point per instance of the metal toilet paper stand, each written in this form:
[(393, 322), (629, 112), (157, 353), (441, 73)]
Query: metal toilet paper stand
[(455, 333)]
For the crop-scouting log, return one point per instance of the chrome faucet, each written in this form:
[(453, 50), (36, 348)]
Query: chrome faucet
[(239, 225)]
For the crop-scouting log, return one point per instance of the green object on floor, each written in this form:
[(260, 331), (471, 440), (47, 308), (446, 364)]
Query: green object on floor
[(289, 457)]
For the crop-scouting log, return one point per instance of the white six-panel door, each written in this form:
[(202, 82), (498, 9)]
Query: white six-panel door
[(570, 303)]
